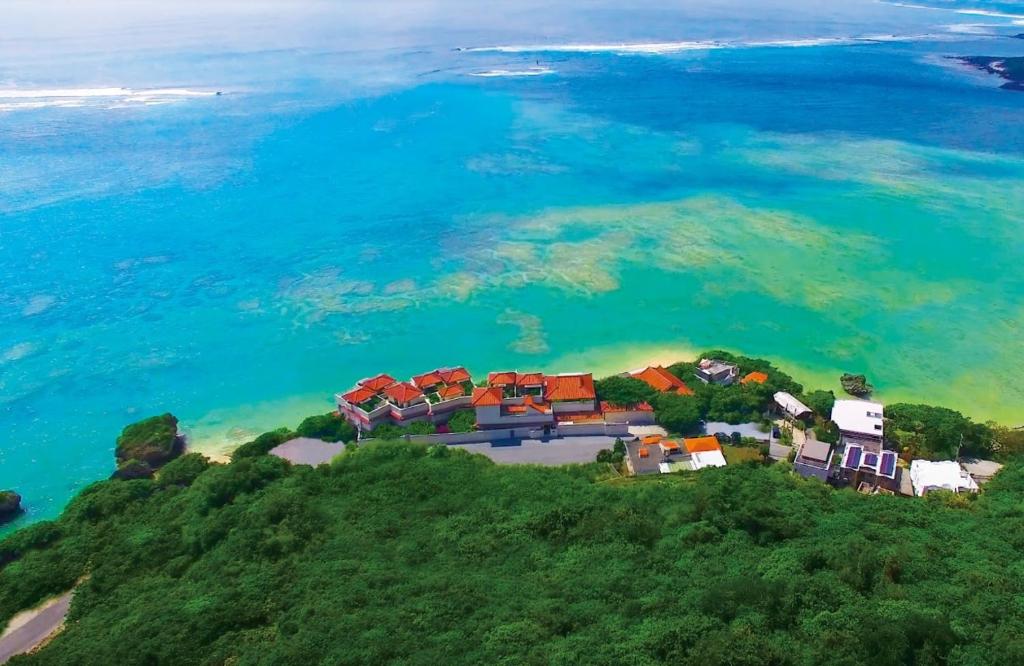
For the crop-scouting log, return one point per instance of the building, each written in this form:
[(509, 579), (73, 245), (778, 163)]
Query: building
[(433, 396), (713, 371), (571, 393), (926, 476), (859, 419), (704, 452), (814, 459), (792, 407), (494, 410), (867, 462), (661, 380), (515, 383)]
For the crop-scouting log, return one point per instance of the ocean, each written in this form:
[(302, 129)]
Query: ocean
[(426, 184)]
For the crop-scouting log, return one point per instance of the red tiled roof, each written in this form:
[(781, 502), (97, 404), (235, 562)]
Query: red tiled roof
[(402, 393), (501, 378), (378, 383), (578, 417), (569, 387), (426, 380), (662, 380), (700, 444), (536, 404), (358, 395), (609, 408), (453, 375), (453, 391), (486, 397), (756, 377), (530, 379)]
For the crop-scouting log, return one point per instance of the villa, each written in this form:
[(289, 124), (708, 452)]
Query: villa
[(704, 452), (433, 396), (661, 380), (713, 371)]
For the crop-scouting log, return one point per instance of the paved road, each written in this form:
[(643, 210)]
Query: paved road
[(556, 451), (35, 631)]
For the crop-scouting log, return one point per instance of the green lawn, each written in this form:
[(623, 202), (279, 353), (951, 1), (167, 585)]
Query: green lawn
[(739, 454)]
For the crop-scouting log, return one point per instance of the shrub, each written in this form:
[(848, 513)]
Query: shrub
[(329, 427), (183, 471), (624, 391), (262, 445)]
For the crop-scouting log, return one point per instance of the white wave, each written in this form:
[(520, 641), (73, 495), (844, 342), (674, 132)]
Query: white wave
[(958, 10), (533, 71), (650, 47), (662, 48), (20, 99)]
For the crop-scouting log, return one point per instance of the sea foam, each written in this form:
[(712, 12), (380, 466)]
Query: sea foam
[(13, 99), (533, 71)]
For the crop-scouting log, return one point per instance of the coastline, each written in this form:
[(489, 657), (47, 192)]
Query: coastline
[(219, 432)]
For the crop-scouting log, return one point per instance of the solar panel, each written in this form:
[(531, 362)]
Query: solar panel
[(888, 464), (853, 457), (871, 460)]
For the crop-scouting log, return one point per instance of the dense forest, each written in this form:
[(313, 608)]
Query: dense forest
[(401, 553)]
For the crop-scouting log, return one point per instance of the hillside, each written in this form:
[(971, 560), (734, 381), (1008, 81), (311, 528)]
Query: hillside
[(399, 553)]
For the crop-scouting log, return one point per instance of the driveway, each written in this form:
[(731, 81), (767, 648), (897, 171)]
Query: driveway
[(307, 451)]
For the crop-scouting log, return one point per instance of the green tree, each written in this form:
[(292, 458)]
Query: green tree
[(677, 413), (623, 390), (153, 441), (329, 427)]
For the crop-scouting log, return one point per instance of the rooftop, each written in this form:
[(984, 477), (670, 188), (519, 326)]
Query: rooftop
[(449, 392), (859, 416), (701, 444), (358, 395), (453, 375), (490, 396), (402, 393), (661, 379), (377, 383), (755, 377), (609, 408), (530, 379), (501, 378), (789, 403), (426, 380), (577, 386)]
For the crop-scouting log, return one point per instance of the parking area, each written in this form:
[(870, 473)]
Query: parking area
[(554, 451)]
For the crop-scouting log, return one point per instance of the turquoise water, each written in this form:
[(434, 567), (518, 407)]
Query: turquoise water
[(359, 200)]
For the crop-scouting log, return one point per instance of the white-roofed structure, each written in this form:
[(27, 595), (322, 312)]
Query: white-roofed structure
[(792, 406), (703, 459), (859, 418), (926, 476)]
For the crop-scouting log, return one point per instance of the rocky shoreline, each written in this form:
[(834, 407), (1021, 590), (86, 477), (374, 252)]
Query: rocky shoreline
[(1011, 69)]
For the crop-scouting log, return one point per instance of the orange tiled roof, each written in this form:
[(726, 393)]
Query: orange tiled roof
[(453, 375), (486, 397), (530, 379), (449, 392), (501, 378), (579, 417), (652, 439), (426, 380), (378, 383), (529, 402), (662, 380), (756, 377), (402, 393), (669, 445), (609, 408), (358, 395), (569, 387), (700, 444)]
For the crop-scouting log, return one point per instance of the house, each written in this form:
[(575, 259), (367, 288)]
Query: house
[(714, 371), (518, 383), (859, 419), (494, 410), (571, 392), (867, 462), (792, 407), (926, 476), (704, 452), (661, 380), (433, 396), (669, 447), (754, 377), (814, 459)]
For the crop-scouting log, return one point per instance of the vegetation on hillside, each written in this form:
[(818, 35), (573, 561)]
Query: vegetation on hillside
[(398, 552), (147, 445)]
